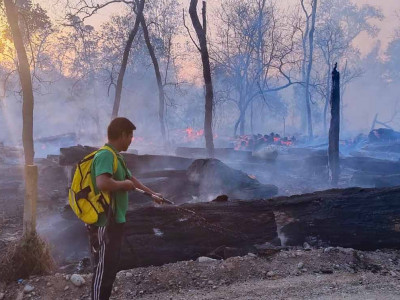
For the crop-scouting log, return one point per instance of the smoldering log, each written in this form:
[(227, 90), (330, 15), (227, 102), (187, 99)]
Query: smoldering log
[(155, 236), (136, 163), (365, 219), (364, 164), (218, 153), (333, 149)]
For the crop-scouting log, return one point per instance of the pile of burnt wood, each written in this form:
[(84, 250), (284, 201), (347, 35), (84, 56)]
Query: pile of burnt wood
[(359, 218), (257, 141)]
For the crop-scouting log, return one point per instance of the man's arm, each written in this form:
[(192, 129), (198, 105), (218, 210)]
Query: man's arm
[(106, 183), (141, 186)]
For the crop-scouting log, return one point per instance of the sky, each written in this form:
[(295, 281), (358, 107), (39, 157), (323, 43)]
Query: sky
[(390, 9)]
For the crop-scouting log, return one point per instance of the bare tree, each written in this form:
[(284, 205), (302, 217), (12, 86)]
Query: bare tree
[(254, 52), (161, 95), (118, 89), (201, 31), (309, 67), (31, 171)]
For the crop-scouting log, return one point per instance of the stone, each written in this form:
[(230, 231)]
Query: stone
[(203, 259), (2, 295), (128, 274), (306, 246), (66, 288), (77, 280), (300, 265), (28, 288), (270, 273)]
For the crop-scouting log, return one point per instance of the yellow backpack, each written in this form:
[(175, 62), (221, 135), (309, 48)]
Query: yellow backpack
[(85, 203)]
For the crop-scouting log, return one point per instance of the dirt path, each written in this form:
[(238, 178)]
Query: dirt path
[(330, 273)]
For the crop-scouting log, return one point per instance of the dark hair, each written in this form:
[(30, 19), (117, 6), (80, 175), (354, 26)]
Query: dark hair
[(118, 126)]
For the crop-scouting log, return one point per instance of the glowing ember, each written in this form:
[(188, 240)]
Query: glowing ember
[(192, 134)]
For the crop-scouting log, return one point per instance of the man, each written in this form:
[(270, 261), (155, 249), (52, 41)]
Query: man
[(106, 235)]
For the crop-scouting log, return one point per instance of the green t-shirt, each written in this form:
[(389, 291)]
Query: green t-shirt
[(103, 164)]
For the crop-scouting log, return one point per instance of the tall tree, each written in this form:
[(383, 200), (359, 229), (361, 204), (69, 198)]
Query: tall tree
[(161, 95), (254, 53), (309, 67), (201, 31), (27, 116), (128, 46)]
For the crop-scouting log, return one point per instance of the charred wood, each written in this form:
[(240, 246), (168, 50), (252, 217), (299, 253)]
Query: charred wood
[(365, 219), (155, 236)]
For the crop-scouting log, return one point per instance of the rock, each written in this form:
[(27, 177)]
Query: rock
[(48, 284), (128, 274), (251, 254), (77, 280), (67, 277), (28, 288), (393, 273), (2, 295), (270, 273), (203, 259), (307, 246), (300, 265), (326, 271), (328, 249), (66, 288)]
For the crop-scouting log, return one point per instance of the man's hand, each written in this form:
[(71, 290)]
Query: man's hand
[(127, 185), (158, 198)]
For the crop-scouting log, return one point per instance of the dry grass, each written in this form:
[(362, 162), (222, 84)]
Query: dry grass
[(29, 255)]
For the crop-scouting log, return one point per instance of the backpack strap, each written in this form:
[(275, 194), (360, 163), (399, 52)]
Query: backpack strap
[(115, 162)]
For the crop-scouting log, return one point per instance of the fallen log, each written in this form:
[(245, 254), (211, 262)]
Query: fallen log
[(365, 219), (223, 153), (374, 180), (136, 163), (155, 236)]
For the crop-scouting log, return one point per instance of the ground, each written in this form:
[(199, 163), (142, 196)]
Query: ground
[(325, 273)]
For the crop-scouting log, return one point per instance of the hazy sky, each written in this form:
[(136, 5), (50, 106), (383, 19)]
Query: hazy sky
[(387, 25)]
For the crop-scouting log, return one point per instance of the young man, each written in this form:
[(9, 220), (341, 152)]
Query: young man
[(106, 235)]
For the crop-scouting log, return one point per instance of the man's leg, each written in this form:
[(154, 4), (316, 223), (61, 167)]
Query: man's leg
[(106, 268)]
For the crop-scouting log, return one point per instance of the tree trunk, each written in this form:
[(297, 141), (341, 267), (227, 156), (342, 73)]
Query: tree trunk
[(201, 35), (161, 96), (333, 151), (328, 81), (27, 116), (309, 67), (118, 90)]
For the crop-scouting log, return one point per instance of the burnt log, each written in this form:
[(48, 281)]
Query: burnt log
[(223, 153), (374, 180), (364, 164), (155, 236), (365, 219), (136, 163), (215, 178)]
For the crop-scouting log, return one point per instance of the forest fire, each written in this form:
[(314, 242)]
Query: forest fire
[(193, 134)]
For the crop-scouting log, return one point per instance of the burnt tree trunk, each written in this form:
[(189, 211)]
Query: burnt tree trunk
[(161, 96), (128, 46), (31, 171), (201, 35), (333, 149)]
